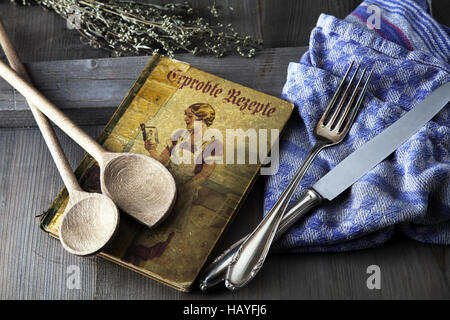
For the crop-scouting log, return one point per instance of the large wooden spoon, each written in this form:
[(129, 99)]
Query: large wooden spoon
[(138, 184), (90, 219)]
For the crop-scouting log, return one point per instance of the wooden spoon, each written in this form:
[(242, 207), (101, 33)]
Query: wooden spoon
[(138, 184), (90, 220)]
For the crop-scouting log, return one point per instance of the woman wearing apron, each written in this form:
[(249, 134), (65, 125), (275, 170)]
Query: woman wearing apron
[(188, 156)]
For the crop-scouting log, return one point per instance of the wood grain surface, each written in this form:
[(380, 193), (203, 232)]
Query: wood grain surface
[(34, 266)]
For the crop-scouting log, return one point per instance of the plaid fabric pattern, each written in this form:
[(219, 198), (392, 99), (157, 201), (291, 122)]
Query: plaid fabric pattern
[(410, 190)]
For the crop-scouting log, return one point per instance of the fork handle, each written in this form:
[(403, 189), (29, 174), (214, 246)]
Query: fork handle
[(249, 258), (215, 272)]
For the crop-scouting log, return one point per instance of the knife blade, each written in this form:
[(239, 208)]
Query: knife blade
[(376, 150), (347, 172)]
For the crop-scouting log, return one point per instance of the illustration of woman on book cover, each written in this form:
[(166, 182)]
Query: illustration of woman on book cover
[(189, 155)]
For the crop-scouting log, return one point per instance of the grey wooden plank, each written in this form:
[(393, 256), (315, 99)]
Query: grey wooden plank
[(409, 270), (439, 9), (32, 264), (286, 23), (89, 90)]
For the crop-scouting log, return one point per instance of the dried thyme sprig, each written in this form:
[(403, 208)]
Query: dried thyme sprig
[(126, 26)]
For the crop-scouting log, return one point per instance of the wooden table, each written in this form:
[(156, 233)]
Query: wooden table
[(34, 266)]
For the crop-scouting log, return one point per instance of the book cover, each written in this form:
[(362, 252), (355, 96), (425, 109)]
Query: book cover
[(212, 135)]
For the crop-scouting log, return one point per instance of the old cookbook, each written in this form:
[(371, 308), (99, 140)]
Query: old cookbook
[(212, 135)]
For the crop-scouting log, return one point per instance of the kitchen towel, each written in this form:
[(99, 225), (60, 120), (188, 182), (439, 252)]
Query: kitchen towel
[(409, 192)]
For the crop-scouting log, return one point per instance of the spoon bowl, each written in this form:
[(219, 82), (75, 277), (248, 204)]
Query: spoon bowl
[(89, 223), (139, 185)]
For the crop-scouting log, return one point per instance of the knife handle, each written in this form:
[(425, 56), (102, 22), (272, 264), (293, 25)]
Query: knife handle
[(216, 271)]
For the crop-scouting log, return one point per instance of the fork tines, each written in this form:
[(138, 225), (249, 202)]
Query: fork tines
[(342, 116)]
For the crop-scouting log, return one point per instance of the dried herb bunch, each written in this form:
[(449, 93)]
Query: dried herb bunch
[(126, 26)]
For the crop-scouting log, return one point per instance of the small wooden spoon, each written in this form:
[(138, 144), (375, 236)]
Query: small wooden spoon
[(90, 220), (138, 184)]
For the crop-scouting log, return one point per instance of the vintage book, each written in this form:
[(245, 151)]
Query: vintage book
[(213, 135)]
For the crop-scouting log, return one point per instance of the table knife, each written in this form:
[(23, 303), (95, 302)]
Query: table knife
[(347, 172)]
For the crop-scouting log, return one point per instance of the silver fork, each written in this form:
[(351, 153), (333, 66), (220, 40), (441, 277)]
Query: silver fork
[(331, 129)]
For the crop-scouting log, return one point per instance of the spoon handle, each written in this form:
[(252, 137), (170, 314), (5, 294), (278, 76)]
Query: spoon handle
[(52, 112), (46, 129)]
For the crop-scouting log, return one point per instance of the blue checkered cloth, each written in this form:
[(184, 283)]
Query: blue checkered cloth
[(410, 190)]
